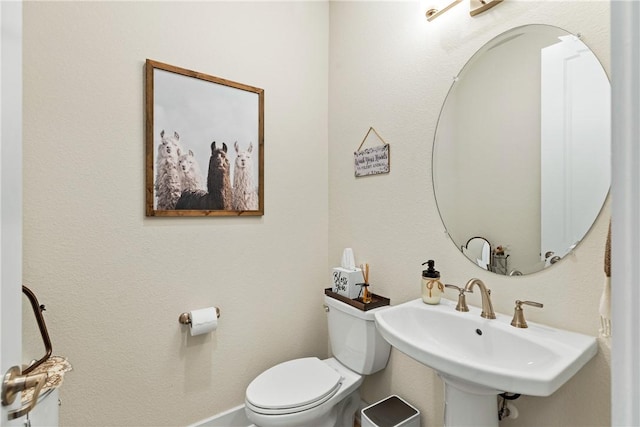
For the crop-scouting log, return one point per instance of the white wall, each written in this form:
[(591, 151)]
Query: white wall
[(391, 69), (625, 365), (10, 188), (114, 282)]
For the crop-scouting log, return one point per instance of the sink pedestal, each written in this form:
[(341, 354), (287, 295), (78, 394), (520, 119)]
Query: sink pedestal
[(467, 404)]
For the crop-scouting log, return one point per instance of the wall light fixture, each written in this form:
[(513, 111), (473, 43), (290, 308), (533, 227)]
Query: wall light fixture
[(478, 6), (438, 7)]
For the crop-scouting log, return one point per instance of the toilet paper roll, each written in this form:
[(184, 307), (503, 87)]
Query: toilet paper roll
[(203, 321)]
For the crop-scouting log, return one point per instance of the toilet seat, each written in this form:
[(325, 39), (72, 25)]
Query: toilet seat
[(293, 386)]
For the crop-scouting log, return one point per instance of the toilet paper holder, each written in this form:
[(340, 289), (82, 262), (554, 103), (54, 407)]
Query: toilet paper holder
[(185, 318)]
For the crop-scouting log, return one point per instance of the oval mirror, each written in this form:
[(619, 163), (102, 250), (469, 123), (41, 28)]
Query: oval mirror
[(522, 149)]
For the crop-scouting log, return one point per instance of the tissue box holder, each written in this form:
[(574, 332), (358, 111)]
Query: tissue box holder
[(345, 282), (376, 300)]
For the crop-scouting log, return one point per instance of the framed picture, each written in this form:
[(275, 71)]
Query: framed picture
[(204, 144)]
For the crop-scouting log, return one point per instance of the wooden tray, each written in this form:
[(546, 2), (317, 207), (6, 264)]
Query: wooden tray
[(376, 300)]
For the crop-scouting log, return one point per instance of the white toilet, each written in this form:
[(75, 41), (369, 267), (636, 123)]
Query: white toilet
[(321, 393)]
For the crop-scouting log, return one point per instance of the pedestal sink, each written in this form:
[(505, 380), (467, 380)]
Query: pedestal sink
[(479, 358)]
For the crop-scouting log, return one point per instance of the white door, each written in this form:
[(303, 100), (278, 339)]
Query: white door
[(10, 193), (575, 120)]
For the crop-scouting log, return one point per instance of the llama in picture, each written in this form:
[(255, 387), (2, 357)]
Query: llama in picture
[(167, 184), (190, 175), (245, 194), (218, 194)]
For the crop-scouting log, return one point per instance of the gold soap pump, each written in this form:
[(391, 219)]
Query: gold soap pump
[(432, 287)]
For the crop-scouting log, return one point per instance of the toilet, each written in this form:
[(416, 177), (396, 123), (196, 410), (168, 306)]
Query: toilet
[(321, 393)]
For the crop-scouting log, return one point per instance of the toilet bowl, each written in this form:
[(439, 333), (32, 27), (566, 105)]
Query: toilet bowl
[(321, 393), (302, 392)]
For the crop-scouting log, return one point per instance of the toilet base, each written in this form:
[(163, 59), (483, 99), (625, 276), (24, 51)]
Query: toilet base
[(350, 407)]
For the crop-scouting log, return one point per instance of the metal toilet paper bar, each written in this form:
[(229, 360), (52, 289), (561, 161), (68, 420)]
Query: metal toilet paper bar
[(185, 318)]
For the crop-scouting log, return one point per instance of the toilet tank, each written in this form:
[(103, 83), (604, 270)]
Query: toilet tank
[(355, 341)]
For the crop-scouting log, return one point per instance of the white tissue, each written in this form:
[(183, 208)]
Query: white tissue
[(348, 260), (605, 309), (203, 321)]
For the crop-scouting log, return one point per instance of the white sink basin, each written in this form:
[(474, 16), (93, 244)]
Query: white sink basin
[(491, 353), (482, 356)]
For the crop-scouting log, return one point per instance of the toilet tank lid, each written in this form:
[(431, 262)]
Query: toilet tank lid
[(353, 311), (293, 384)]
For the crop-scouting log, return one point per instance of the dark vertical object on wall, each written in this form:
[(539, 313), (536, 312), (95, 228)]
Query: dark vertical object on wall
[(607, 253)]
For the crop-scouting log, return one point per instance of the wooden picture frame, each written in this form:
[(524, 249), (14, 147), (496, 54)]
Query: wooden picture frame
[(204, 144)]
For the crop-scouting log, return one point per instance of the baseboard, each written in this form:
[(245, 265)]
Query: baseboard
[(234, 417)]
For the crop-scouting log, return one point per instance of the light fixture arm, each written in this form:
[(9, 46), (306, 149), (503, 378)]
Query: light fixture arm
[(476, 7)]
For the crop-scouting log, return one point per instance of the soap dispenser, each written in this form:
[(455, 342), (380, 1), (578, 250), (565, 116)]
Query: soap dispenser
[(432, 288)]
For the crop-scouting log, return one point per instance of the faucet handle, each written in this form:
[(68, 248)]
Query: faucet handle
[(462, 301), (462, 290), (518, 314)]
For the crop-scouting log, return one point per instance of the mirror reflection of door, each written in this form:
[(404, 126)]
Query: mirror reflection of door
[(575, 101)]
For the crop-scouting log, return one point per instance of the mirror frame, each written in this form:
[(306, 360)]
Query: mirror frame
[(37, 312)]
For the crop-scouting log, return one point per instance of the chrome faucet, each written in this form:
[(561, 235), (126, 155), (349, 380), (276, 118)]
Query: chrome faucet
[(487, 307)]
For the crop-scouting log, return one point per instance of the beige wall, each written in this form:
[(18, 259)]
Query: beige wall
[(391, 69), (114, 282)]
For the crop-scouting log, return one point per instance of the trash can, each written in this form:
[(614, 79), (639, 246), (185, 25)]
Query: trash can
[(390, 412)]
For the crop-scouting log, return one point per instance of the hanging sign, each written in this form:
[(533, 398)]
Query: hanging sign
[(374, 160)]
